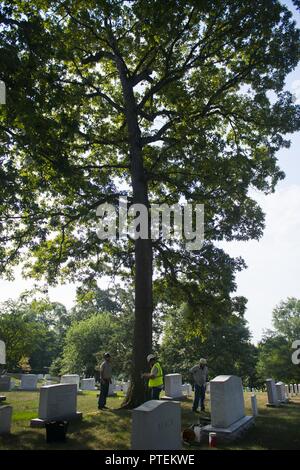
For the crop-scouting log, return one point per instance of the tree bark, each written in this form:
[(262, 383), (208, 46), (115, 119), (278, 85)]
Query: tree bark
[(142, 343)]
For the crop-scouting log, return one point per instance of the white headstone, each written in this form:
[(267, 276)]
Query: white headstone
[(88, 384), (254, 405), (291, 390), (2, 352), (29, 381), (286, 391), (228, 418), (57, 402), (280, 390), (111, 389), (5, 419), (173, 386), (125, 387), (295, 389), (70, 379), (5, 383), (227, 400), (187, 389), (156, 425), (272, 393)]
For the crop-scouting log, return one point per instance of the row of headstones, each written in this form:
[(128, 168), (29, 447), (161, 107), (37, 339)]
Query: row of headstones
[(56, 402), (280, 392), (156, 425), (227, 410), (30, 382), (228, 419)]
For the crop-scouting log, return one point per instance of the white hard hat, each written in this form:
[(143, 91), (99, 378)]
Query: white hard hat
[(149, 357), (203, 361)]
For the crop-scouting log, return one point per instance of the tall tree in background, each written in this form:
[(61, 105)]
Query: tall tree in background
[(276, 347), (168, 99), (226, 346)]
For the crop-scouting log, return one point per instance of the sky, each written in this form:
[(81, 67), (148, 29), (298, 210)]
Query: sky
[(273, 272)]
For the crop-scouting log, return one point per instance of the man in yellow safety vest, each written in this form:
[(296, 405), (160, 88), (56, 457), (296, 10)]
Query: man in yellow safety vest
[(156, 378)]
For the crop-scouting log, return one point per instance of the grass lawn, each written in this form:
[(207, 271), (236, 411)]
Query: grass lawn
[(275, 428)]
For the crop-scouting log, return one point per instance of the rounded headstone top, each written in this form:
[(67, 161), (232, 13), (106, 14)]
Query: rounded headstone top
[(224, 378)]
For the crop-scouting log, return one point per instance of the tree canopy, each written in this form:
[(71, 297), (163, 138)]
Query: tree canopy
[(276, 347), (159, 101)]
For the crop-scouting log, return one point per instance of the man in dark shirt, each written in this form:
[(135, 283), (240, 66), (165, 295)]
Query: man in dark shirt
[(105, 380)]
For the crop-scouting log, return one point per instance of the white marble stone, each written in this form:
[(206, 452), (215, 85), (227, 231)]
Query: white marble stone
[(228, 418), (286, 392), (2, 352), (70, 379), (57, 402), (272, 393), (280, 390), (5, 419), (254, 405), (29, 381), (111, 390), (187, 389), (5, 383), (227, 400), (88, 384), (156, 425), (295, 389), (173, 386), (125, 387)]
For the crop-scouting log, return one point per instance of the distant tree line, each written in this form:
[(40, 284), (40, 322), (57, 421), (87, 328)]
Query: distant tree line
[(43, 336)]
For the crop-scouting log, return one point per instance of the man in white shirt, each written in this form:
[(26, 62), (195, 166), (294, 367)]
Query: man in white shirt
[(200, 377)]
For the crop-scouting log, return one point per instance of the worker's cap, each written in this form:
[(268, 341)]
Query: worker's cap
[(149, 357), (203, 361), (107, 354)]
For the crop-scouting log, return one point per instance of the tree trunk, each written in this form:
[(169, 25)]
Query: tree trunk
[(142, 343)]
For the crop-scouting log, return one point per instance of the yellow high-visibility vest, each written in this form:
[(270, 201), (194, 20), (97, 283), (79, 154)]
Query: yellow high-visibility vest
[(159, 379)]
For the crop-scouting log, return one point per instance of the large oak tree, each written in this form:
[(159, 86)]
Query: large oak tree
[(157, 100)]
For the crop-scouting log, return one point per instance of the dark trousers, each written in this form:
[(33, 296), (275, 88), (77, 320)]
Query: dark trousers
[(154, 393), (104, 387), (199, 396)]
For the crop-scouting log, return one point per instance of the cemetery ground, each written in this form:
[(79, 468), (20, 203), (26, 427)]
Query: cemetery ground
[(275, 428)]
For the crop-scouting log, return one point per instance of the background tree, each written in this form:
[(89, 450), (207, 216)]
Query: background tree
[(275, 349), (170, 99), (226, 347), (33, 327), (88, 340)]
